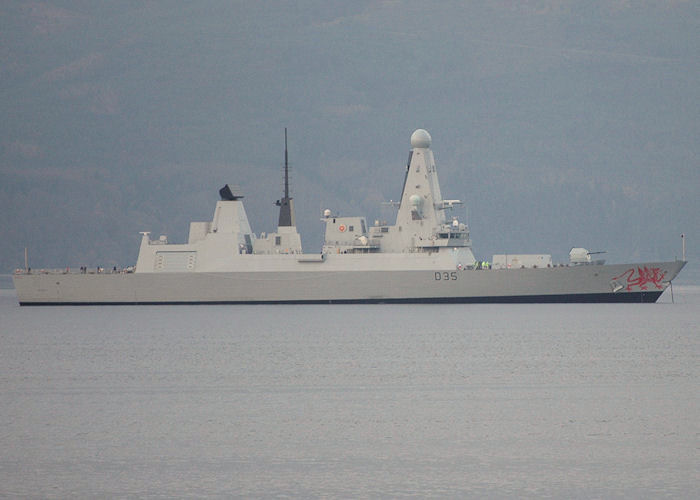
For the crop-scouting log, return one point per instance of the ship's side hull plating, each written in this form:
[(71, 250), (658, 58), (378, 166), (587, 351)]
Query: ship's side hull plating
[(590, 298), (587, 283)]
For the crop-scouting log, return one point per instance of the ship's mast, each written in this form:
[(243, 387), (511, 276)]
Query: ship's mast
[(286, 166), (286, 205)]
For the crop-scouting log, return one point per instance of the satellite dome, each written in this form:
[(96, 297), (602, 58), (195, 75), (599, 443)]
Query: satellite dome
[(420, 139), (415, 200)]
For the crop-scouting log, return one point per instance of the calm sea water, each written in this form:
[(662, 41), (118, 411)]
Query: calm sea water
[(504, 401)]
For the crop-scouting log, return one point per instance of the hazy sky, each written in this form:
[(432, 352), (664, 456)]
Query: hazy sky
[(560, 123)]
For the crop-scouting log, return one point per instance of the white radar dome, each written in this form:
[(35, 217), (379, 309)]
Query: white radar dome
[(327, 213), (420, 139), (415, 200)]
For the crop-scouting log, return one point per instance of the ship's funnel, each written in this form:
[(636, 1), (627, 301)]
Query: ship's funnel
[(229, 194)]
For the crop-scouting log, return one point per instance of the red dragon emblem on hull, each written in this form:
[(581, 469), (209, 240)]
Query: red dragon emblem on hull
[(642, 277)]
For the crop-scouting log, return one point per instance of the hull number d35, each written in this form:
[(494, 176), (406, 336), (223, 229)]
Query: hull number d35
[(445, 276)]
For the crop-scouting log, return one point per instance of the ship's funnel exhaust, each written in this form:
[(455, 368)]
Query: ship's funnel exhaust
[(230, 194)]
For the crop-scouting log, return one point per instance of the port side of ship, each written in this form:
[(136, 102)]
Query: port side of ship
[(425, 256)]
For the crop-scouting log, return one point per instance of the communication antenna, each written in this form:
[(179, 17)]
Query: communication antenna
[(683, 245)]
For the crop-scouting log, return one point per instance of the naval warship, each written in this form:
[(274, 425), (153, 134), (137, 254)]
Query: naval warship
[(424, 257)]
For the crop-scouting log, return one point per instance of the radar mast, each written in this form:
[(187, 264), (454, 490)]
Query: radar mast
[(286, 204)]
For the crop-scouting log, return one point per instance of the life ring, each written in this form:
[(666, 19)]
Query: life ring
[(341, 228)]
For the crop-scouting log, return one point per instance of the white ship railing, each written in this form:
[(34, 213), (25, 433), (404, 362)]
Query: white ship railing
[(79, 270)]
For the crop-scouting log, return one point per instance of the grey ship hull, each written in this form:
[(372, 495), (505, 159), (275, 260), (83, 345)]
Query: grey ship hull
[(643, 282)]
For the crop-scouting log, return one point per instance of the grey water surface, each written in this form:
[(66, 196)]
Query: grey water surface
[(562, 401)]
